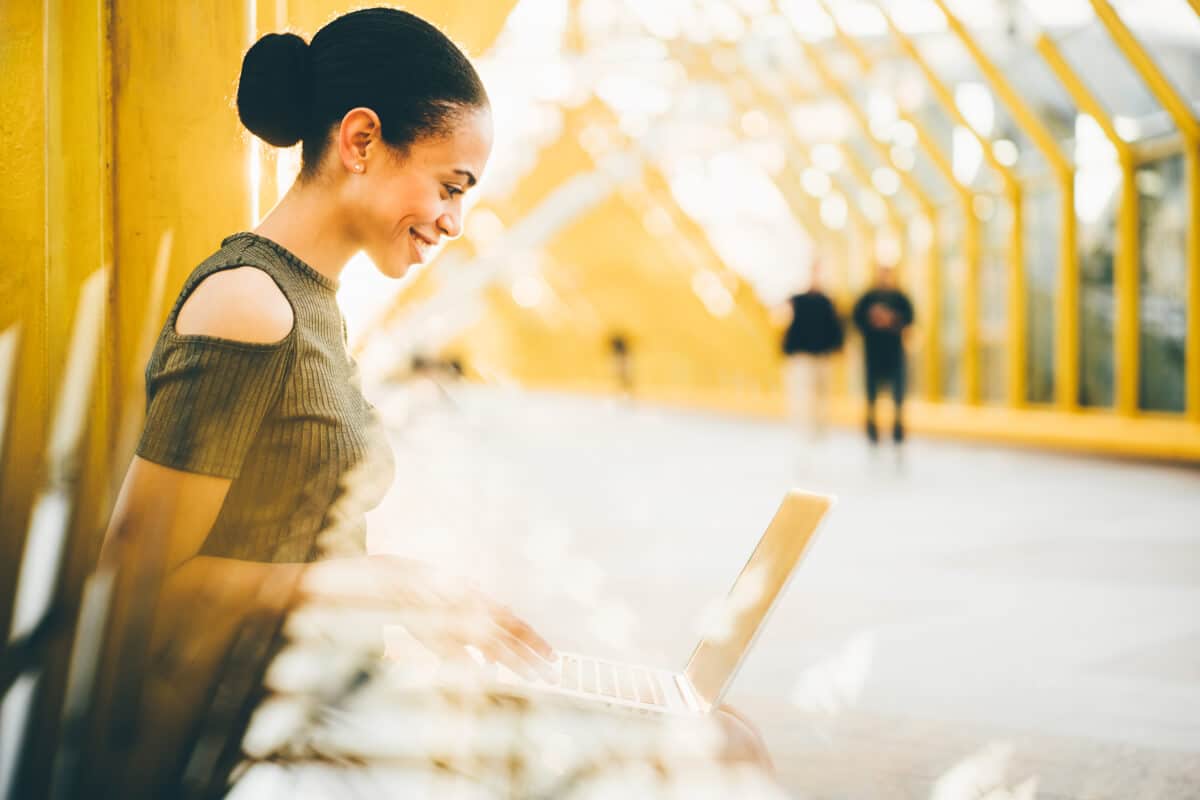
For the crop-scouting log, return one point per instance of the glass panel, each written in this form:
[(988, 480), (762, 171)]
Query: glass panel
[(993, 309), (860, 251), (993, 298), (916, 285), (1162, 227), (1170, 31), (1042, 236), (1097, 231), (950, 333), (1094, 56), (1008, 41), (987, 113)]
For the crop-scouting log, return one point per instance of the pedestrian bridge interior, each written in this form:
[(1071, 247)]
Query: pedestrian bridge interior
[(586, 392)]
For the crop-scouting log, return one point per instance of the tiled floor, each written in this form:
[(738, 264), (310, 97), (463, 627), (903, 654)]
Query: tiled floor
[(972, 619)]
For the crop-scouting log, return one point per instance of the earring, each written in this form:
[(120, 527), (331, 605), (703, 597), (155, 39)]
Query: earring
[(358, 167)]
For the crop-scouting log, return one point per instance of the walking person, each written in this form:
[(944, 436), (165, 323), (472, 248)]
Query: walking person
[(813, 336), (882, 315)]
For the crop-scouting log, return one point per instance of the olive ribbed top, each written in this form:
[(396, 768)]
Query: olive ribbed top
[(287, 420)]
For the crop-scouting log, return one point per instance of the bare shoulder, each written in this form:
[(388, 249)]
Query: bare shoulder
[(242, 304)]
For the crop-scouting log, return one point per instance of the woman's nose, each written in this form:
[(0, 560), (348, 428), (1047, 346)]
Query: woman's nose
[(450, 225)]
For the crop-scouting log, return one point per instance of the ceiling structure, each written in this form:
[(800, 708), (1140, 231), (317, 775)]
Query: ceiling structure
[(669, 171)]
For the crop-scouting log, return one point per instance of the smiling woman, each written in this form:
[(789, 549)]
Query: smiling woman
[(393, 135), (260, 454)]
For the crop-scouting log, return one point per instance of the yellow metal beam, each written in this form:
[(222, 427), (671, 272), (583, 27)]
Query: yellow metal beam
[(1017, 327), (945, 96), (1067, 306), (698, 65), (1125, 284), (753, 95), (1164, 92), (750, 95), (1025, 116), (926, 204), (1181, 114), (770, 95), (23, 281), (933, 283), (928, 210)]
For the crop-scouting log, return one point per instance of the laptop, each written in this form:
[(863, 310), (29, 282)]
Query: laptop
[(729, 631)]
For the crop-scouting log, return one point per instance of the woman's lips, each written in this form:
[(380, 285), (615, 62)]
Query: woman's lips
[(421, 245)]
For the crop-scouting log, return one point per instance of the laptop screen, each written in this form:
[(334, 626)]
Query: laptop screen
[(731, 626)]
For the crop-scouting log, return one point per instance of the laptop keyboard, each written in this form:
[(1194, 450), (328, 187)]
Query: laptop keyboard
[(620, 681)]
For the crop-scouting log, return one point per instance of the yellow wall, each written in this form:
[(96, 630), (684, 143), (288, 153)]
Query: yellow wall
[(119, 132)]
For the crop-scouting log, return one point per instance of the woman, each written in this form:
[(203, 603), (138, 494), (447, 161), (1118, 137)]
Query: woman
[(260, 454)]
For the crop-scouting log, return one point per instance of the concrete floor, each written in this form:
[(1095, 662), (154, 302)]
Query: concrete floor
[(971, 620)]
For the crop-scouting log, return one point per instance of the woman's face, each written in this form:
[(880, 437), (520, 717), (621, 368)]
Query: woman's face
[(404, 209)]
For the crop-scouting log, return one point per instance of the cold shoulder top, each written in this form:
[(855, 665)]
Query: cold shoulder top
[(286, 421)]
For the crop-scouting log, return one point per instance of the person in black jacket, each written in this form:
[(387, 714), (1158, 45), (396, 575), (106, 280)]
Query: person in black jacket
[(814, 334), (882, 315)]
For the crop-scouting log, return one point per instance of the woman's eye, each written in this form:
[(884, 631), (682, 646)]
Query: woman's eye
[(452, 190)]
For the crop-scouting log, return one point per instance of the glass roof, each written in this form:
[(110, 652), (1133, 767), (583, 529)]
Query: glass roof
[(722, 95)]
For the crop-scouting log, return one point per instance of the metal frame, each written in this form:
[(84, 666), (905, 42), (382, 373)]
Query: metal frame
[(1180, 110), (1066, 384), (800, 203), (1012, 189), (927, 208), (1125, 281), (971, 249)]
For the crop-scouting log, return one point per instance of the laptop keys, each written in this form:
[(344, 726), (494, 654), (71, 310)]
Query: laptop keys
[(608, 683), (647, 691), (625, 683), (570, 673), (621, 681), (588, 677)]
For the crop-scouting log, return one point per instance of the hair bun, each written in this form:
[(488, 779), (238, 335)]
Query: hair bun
[(275, 91)]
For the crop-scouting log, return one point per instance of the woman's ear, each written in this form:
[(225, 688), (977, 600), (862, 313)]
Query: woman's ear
[(359, 139)]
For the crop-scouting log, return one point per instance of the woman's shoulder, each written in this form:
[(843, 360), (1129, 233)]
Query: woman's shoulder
[(240, 303)]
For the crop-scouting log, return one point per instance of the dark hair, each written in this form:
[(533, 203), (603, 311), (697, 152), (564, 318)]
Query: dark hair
[(397, 64)]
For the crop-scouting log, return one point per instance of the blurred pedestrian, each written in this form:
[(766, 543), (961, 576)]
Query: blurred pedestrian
[(618, 346), (881, 316), (813, 336)]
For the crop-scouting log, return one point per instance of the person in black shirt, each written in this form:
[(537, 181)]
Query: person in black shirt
[(882, 315), (815, 332)]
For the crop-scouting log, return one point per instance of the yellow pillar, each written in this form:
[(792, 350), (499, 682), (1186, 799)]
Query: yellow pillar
[(969, 300), (1181, 114), (23, 280), (1017, 328), (924, 202), (1067, 310), (56, 222), (1125, 282)]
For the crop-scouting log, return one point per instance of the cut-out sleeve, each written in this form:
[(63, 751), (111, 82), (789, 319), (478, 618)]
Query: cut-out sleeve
[(206, 400)]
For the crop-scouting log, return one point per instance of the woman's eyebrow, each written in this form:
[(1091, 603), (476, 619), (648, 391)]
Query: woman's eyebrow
[(470, 177)]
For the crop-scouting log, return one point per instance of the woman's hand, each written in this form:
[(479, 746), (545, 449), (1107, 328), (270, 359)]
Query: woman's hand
[(445, 613), (471, 619)]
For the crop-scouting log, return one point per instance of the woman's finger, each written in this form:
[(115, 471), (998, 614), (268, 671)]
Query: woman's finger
[(516, 648), (498, 652), (517, 627)]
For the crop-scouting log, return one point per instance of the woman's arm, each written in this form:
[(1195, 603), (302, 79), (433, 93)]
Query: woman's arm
[(163, 515), (173, 509)]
